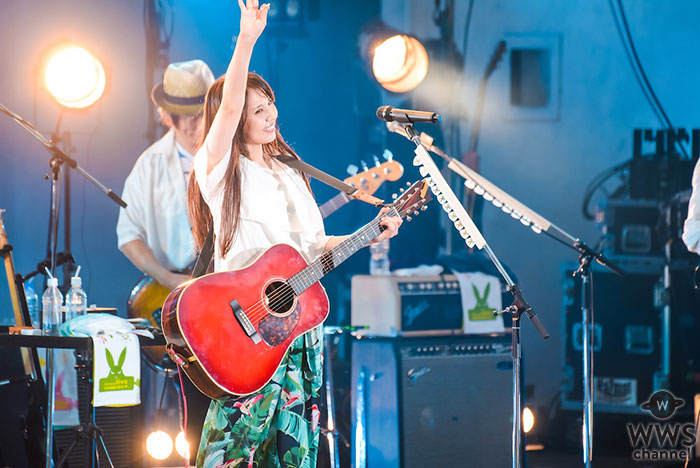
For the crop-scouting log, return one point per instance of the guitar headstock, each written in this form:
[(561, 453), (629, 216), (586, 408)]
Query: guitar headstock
[(371, 178), (413, 200)]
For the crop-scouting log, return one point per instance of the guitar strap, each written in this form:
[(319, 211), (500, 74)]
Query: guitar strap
[(204, 259), (327, 179), (207, 252)]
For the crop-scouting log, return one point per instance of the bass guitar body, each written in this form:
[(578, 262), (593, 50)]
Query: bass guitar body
[(145, 302), (230, 331)]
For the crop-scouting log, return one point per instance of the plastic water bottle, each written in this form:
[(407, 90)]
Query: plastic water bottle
[(76, 299), (379, 258), (33, 303), (51, 301)]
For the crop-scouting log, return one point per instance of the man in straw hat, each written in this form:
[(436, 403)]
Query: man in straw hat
[(153, 230)]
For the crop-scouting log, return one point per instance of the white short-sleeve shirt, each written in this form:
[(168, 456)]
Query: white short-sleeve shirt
[(276, 208), (156, 195)]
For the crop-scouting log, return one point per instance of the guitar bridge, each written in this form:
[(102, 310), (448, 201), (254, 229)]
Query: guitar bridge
[(245, 322)]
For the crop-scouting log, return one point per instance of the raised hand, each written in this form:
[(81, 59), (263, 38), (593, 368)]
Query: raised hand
[(253, 19)]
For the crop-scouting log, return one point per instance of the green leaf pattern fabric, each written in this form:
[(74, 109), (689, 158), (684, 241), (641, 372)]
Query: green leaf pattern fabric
[(276, 427)]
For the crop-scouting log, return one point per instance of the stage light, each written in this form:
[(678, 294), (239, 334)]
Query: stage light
[(398, 61), (159, 445), (182, 446), (528, 420), (74, 77)]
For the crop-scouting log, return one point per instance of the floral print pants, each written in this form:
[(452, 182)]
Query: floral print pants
[(278, 426)]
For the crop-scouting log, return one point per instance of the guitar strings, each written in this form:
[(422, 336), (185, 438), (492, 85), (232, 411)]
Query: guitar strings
[(258, 311)]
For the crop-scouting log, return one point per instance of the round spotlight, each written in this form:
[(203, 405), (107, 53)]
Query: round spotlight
[(182, 446), (400, 63), (74, 77), (159, 445), (528, 420)]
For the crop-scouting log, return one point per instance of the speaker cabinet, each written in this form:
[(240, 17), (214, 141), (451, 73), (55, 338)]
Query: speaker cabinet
[(439, 401), (122, 431)]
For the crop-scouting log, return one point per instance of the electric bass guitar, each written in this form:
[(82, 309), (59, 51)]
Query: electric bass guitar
[(368, 181), (229, 331)]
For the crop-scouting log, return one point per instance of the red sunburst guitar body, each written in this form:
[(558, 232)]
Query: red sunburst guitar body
[(201, 328), (230, 331)]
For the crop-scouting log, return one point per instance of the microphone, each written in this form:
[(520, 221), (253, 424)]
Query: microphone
[(391, 114)]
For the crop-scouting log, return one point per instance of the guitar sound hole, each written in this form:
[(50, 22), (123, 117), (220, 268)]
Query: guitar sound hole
[(279, 297)]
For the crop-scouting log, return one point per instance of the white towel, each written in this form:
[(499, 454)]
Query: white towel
[(117, 366), (481, 295)]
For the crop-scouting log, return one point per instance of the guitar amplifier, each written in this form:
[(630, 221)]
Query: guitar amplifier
[(438, 401), (415, 305)]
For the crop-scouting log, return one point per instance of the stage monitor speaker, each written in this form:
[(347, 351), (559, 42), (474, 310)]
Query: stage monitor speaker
[(439, 401)]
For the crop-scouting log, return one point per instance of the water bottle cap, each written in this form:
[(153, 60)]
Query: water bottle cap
[(52, 282), (76, 281)]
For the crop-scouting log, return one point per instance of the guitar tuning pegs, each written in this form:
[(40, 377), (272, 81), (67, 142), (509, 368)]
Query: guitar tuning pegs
[(408, 218), (416, 213), (408, 184), (423, 208), (364, 166), (388, 155), (352, 169), (376, 160), (394, 196)]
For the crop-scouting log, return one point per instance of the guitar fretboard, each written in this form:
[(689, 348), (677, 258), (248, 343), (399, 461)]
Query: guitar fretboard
[(334, 257), (332, 205)]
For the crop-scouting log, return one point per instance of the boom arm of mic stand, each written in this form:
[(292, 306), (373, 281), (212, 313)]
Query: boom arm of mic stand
[(59, 154), (544, 224)]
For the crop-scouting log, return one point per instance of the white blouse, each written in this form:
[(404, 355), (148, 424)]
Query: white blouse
[(276, 208)]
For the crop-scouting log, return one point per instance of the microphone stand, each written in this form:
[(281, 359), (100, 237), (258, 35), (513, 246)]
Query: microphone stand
[(519, 306), (58, 157), (481, 186)]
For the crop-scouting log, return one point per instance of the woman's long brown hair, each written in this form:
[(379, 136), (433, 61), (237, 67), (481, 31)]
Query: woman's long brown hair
[(200, 215)]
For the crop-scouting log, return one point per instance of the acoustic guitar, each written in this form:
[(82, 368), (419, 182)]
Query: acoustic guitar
[(229, 331), (148, 295), (33, 425)]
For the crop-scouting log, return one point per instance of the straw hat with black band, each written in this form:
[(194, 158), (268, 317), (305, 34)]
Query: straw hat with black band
[(183, 88)]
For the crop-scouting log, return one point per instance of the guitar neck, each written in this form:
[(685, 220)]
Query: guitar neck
[(334, 257), (332, 205)]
